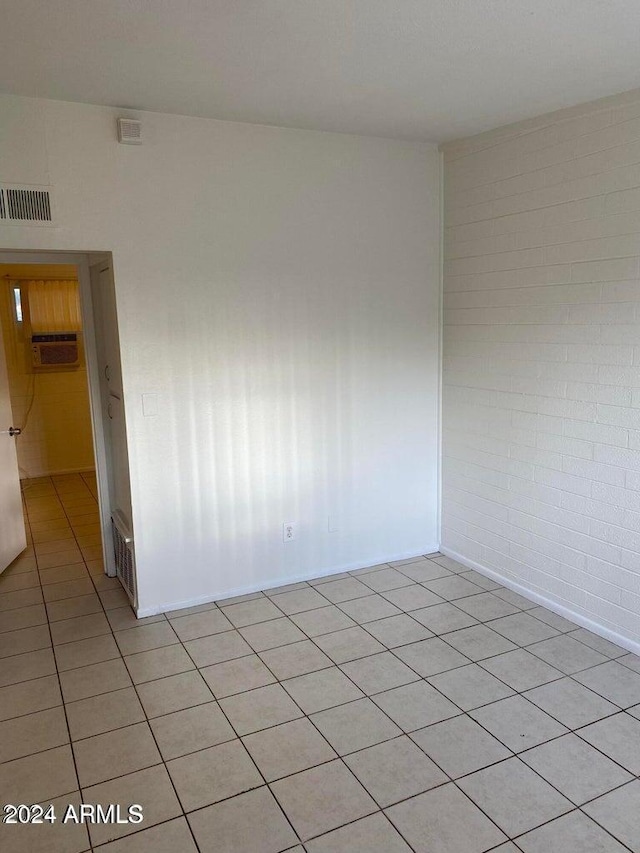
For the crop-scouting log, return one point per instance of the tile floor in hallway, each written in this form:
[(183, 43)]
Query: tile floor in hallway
[(414, 706)]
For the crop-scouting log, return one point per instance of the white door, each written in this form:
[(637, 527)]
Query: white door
[(13, 539)]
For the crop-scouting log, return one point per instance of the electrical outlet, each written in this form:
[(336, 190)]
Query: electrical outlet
[(288, 531)]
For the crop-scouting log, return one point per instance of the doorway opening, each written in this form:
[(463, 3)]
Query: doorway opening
[(46, 367), (60, 381)]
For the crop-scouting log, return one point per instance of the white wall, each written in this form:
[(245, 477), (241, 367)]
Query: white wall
[(541, 408), (278, 290)]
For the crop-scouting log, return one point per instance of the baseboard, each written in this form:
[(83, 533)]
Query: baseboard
[(153, 610), (582, 621)]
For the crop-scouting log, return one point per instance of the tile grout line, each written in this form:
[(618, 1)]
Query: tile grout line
[(64, 707), (279, 682), (338, 756), (403, 733), (514, 755), (304, 715), (233, 728), (162, 762)]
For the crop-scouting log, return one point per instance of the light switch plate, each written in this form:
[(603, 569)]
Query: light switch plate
[(149, 405)]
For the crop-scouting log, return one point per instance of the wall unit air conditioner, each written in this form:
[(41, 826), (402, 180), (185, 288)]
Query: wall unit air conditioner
[(55, 351)]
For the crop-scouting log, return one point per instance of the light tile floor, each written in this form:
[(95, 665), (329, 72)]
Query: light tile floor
[(416, 706)]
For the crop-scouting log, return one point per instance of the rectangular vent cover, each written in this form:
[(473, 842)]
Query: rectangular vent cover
[(129, 131), (124, 555), (21, 204)]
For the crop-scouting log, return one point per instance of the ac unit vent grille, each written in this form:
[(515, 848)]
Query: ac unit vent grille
[(25, 204), (62, 354), (124, 556)]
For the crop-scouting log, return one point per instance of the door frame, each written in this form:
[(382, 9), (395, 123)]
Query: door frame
[(82, 262)]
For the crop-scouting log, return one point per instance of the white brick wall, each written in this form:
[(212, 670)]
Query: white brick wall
[(541, 387)]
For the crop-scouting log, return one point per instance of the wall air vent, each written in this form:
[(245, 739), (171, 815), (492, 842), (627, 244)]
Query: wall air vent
[(129, 131), (22, 204), (124, 555)]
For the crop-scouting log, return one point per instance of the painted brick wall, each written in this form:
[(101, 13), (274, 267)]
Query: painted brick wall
[(541, 387)]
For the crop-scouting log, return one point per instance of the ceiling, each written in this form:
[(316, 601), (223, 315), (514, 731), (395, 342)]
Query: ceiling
[(415, 69)]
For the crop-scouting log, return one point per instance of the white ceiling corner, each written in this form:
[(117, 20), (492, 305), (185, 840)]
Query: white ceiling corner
[(414, 69)]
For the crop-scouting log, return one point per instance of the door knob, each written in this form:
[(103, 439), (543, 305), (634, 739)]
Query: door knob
[(12, 431)]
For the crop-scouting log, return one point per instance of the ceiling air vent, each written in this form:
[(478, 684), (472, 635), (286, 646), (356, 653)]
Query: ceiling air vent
[(22, 204)]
